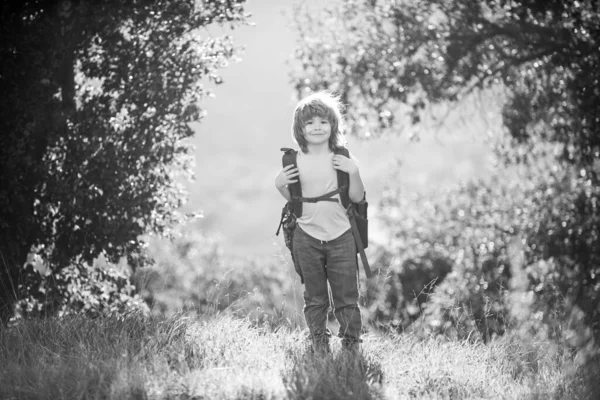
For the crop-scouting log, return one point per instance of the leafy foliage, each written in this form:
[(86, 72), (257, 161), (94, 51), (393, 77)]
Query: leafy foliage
[(97, 100), (192, 275), (382, 55), (97, 290), (389, 58), (516, 251)]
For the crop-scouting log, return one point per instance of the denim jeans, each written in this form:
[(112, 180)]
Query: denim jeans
[(335, 262)]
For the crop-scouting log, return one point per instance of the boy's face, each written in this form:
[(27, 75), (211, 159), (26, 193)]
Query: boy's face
[(317, 130)]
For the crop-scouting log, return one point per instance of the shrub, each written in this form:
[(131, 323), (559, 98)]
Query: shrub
[(97, 289), (530, 230), (192, 275)]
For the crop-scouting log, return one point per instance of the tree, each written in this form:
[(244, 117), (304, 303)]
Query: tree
[(387, 56), (96, 103), (378, 55)]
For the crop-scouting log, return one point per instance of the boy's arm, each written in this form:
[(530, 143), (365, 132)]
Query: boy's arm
[(356, 191), (286, 176), (285, 192)]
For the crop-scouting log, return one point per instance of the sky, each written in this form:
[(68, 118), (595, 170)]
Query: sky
[(238, 143)]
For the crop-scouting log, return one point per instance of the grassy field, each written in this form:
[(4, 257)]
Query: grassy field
[(222, 357)]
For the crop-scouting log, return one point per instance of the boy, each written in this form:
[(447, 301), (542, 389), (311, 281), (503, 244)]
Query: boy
[(323, 243)]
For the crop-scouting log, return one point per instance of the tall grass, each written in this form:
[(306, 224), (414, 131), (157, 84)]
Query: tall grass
[(223, 357)]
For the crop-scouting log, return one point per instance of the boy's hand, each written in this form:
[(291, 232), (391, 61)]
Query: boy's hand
[(345, 164), (286, 176)]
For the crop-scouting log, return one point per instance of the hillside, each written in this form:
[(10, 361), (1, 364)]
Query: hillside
[(221, 357)]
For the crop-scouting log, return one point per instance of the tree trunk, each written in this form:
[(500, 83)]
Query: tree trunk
[(11, 274), (21, 232)]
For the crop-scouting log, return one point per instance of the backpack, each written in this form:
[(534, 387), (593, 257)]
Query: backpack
[(357, 212)]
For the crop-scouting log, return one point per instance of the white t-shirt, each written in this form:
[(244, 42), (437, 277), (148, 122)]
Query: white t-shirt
[(323, 220)]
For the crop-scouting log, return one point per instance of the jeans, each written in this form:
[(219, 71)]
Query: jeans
[(334, 262)]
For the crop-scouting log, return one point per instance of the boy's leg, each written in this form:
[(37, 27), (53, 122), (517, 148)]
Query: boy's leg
[(342, 273), (310, 255)]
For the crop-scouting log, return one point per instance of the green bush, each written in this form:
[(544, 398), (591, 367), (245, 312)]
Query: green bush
[(406, 286), (529, 231), (97, 101), (97, 289), (192, 275)]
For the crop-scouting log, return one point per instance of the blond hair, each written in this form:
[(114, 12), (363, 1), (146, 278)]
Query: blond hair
[(321, 104)]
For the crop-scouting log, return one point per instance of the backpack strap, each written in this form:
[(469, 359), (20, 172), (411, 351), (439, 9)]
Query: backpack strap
[(343, 178), (284, 212), (344, 182), (325, 197), (289, 158), (359, 244)]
